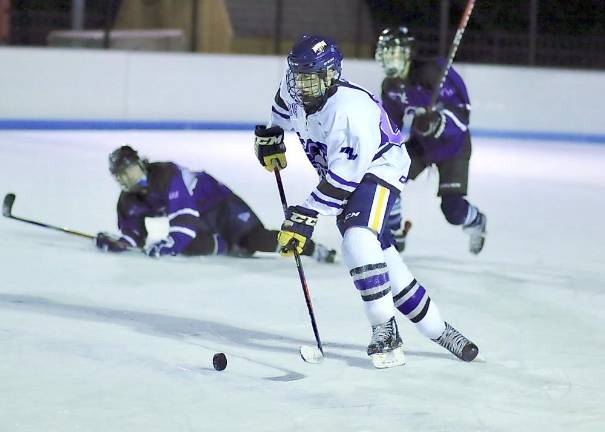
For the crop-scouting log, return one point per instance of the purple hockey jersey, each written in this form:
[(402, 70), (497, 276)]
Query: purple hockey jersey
[(181, 195), (401, 98)]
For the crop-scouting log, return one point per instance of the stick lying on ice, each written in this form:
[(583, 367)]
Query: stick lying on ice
[(7, 211)]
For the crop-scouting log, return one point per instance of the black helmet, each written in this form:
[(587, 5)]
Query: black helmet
[(120, 162), (394, 51)]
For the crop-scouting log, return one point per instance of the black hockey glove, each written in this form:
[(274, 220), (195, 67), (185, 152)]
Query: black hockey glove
[(109, 243), (428, 123), (296, 230), (414, 147), (269, 147)]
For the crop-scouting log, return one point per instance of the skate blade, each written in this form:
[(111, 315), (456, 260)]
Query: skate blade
[(311, 354), (388, 359)]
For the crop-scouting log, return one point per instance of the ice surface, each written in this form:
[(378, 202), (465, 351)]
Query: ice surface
[(100, 342)]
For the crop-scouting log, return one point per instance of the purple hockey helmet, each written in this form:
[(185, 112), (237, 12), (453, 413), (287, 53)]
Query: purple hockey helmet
[(314, 66)]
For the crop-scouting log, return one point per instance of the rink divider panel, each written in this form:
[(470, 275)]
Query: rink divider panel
[(50, 88)]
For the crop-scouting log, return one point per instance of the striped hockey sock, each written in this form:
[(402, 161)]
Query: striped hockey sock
[(414, 302), (372, 281), (366, 263), (411, 299)]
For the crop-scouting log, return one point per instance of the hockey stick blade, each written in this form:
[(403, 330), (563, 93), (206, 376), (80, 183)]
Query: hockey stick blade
[(311, 354), (7, 205)]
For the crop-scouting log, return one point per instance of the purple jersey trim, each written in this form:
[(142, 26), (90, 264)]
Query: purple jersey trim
[(286, 117), (389, 132), (324, 202), (342, 181)]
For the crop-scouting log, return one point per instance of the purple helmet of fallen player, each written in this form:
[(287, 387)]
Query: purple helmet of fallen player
[(314, 67), (129, 170)]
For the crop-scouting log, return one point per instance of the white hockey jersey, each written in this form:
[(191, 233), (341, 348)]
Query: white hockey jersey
[(350, 136)]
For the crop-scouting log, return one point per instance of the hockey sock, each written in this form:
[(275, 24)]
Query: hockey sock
[(363, 257), (455, 208), (394, 220), (471, 216), (411, 299)]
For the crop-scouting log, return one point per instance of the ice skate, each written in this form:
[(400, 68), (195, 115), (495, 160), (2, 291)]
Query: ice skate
[(323, 254), (386, 347), (456, 343), (476, 231)]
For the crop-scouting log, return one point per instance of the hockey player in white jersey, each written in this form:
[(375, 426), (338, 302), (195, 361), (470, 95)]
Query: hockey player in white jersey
[(359, 156)]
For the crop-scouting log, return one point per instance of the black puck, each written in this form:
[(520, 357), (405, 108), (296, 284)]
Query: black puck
[(219, 361)]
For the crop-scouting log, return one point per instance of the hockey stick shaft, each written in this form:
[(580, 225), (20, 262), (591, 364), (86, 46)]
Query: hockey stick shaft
[(56, 228), (453, 49), (301, 273), (7, 206)]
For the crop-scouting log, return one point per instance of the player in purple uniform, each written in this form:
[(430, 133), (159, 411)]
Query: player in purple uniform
[(438, 137), (205, 217)]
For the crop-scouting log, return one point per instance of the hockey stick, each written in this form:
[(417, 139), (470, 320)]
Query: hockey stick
[(308, 354), (7, 211), (452, 53)]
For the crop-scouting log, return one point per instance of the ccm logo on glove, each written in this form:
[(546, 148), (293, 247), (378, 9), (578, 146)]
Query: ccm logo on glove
[(296, 230), (269, 147), (301, 219)]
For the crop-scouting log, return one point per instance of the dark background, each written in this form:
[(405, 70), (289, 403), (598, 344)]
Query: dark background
[(567, 33), (559, 17)]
